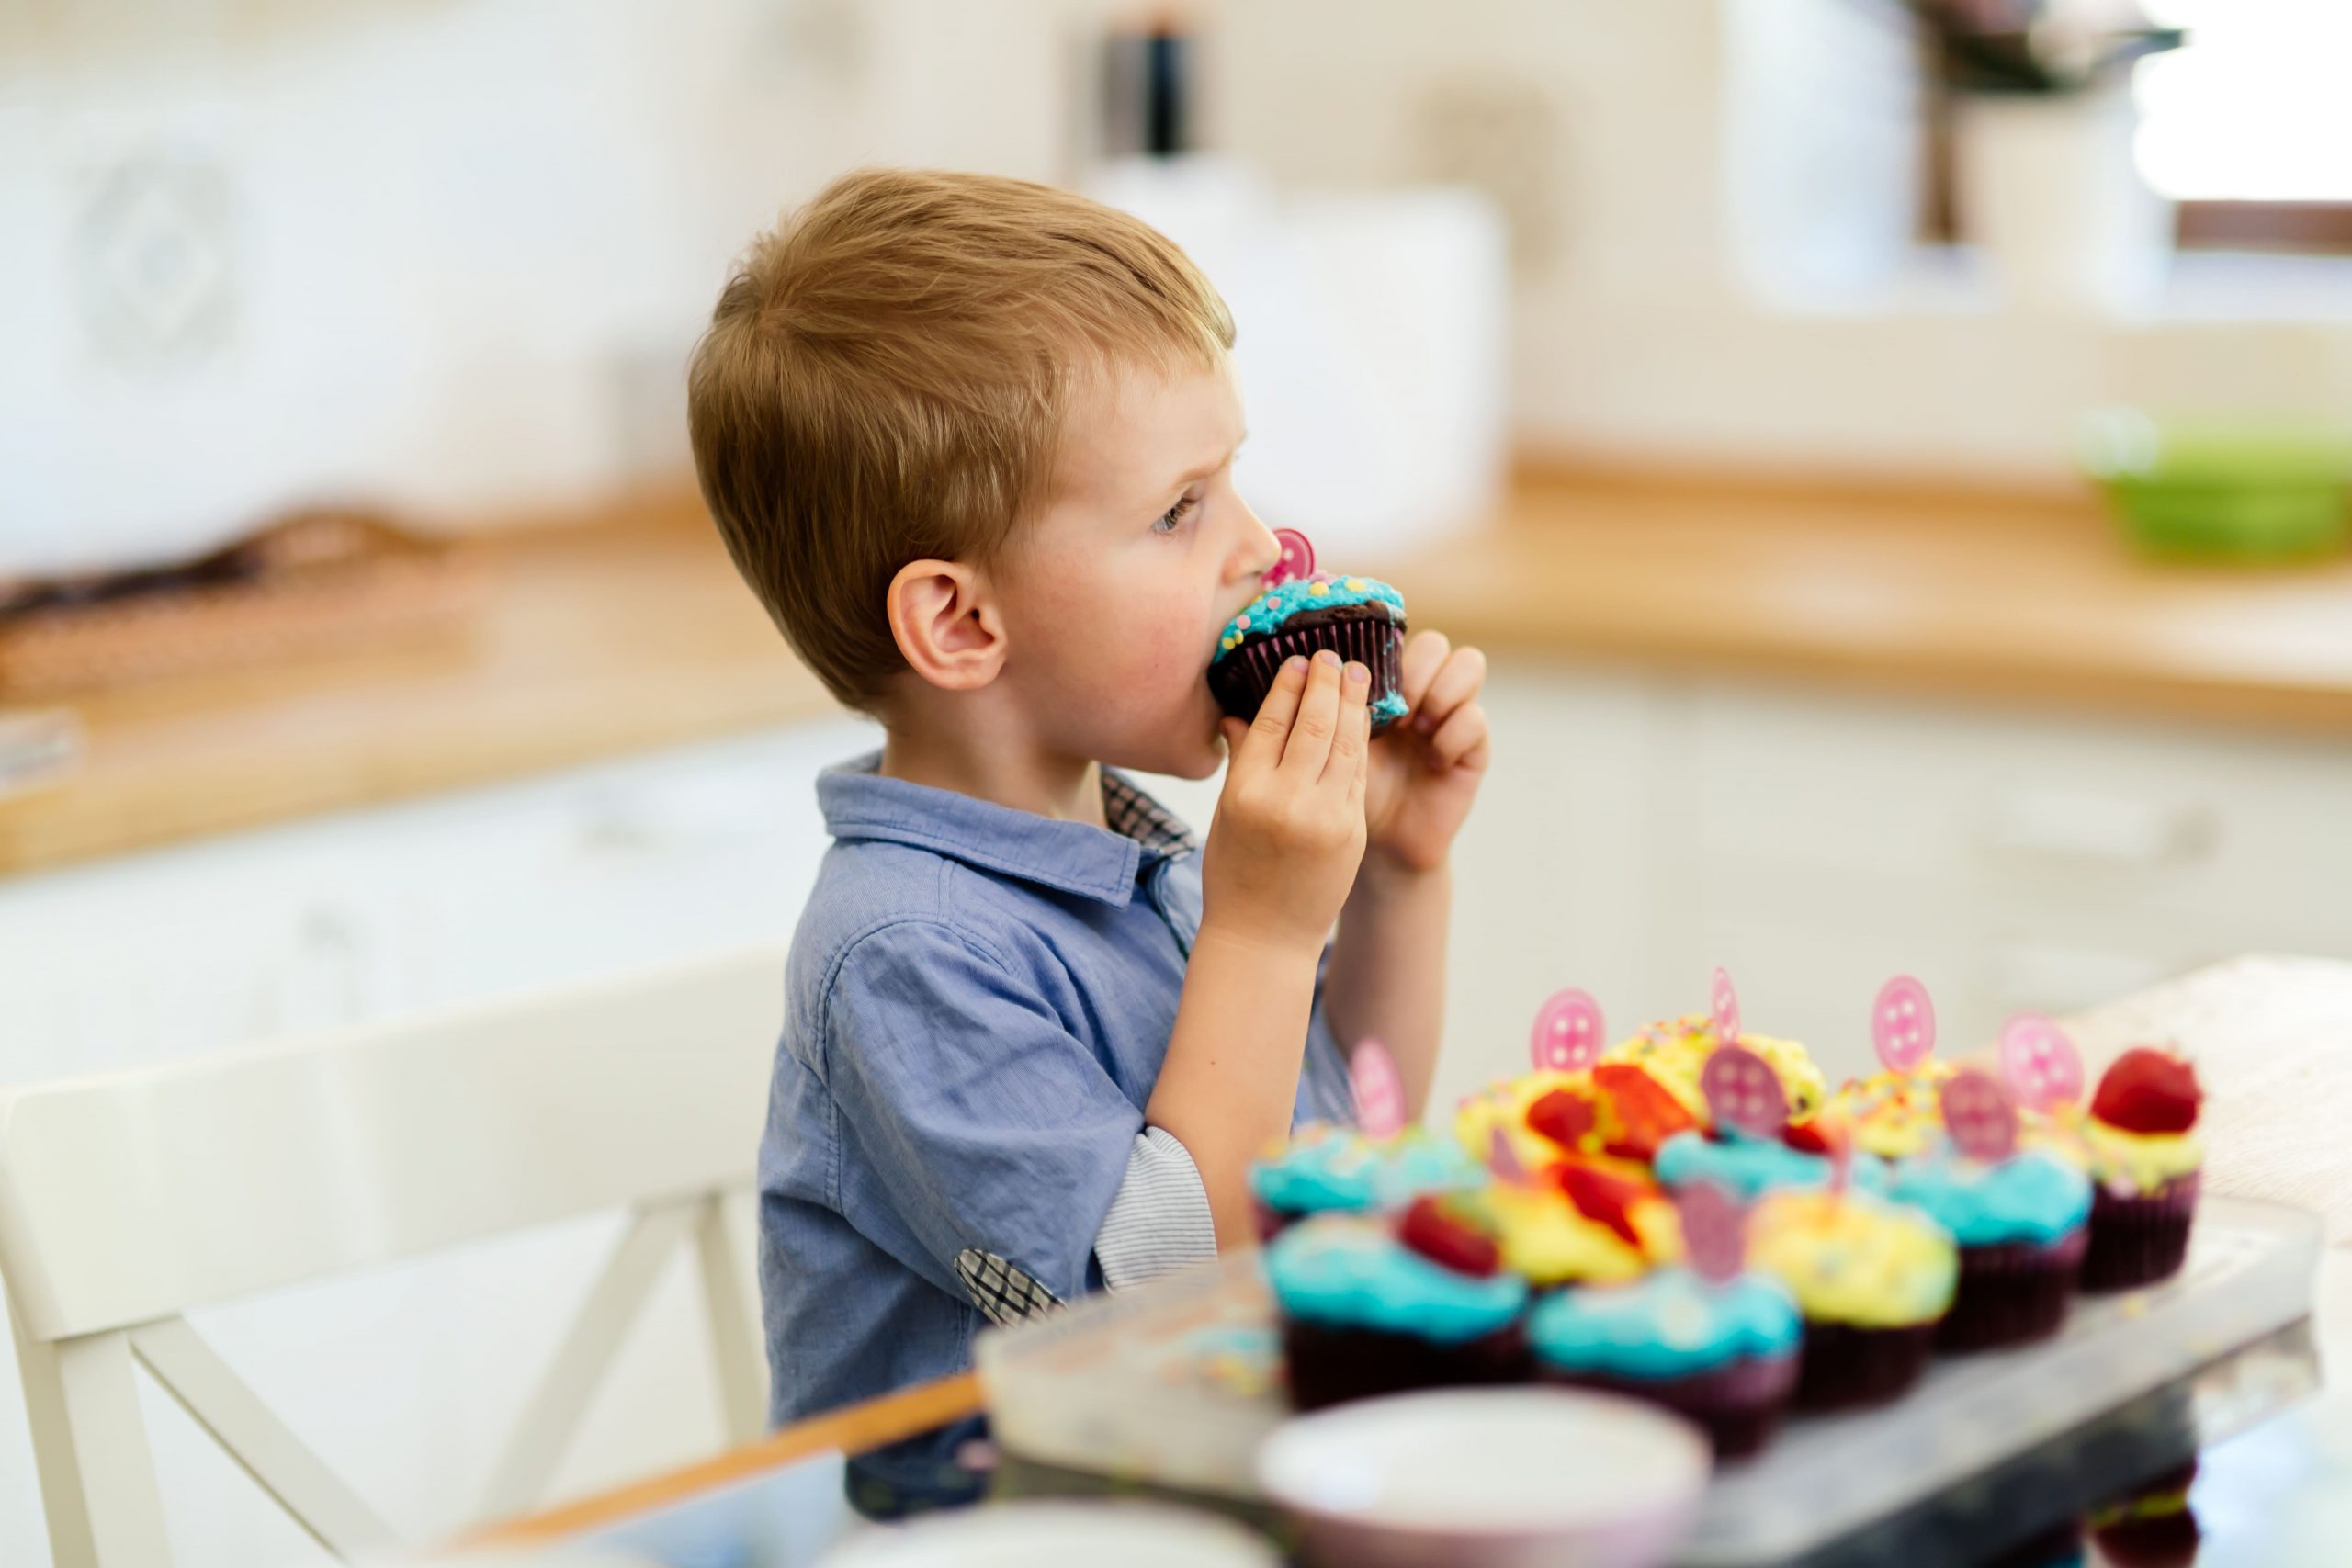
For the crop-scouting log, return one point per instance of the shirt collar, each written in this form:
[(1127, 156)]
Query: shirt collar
[(859, 804)]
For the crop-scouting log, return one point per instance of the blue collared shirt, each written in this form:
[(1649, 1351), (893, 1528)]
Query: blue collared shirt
[(977, 1004)]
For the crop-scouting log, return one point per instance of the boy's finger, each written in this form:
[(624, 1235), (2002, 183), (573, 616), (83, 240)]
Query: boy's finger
[(1424, 655), (1354, 733), (1456, 682), (1461, 739), (1318, 716), (1271, 729)]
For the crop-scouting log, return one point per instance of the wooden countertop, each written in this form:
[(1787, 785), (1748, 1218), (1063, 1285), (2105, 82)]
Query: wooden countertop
[(624, 633), (2021, 600), (630, 630)]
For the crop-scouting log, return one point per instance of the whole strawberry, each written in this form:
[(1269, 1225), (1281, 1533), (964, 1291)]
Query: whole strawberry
[(2148, 1091)]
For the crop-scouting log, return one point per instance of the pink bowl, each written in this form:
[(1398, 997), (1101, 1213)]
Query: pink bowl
[(1488, 1478)]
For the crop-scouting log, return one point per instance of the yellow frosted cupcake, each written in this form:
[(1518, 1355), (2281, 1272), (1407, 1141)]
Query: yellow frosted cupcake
[(1874, 1280), (1676, 1053), (1576, 1224), (1895, 1114)]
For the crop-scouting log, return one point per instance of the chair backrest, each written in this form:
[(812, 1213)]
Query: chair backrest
[(135, 1195), (130, 1199)]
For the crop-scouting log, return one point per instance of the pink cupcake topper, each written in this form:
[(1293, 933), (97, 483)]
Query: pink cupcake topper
[(1715, 1231), (1743, 1091), (1503, 1160), (2039, 1062), (1297, 558), (1903, 1024), (1978, 1116), (1723, 1004), (1379, 1093), (1568, 1031)]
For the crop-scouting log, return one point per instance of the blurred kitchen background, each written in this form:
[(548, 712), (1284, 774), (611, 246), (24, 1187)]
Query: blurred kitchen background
[(1895, 456)]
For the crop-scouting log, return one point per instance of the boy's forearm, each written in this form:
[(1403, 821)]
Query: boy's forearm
[(1230, 1077), (1387, 974)]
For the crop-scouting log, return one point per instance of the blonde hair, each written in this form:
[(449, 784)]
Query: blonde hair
[(885, 380)]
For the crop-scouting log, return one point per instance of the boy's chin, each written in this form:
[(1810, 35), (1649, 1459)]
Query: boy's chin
[(1184, 749)]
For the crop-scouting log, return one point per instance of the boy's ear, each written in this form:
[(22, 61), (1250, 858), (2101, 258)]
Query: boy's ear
[(946, 625)]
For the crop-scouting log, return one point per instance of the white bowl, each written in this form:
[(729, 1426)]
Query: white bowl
[(1488, 1478), (1060, 1535)]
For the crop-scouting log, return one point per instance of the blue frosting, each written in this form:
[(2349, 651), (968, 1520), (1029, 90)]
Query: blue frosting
[(1351, 1273), (1341, 1170), (1388, 708), (1748, 1167), (1668, 1324), (2032, 1196), (1266, 613)]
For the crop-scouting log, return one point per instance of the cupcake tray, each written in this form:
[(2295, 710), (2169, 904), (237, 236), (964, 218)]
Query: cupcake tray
[(1170, 1390)]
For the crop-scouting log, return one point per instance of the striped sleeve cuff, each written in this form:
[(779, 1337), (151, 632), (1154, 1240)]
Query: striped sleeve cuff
[(1160, 1220)]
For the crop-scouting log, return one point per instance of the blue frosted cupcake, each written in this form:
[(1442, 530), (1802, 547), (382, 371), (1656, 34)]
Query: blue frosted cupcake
[(1722, 1354), (1355, 617), (2022, 1224), (1749, 1166), (1363, 1314), (1332, 1170)]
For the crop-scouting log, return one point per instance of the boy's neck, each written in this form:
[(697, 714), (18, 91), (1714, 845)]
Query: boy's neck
[(989, 761)]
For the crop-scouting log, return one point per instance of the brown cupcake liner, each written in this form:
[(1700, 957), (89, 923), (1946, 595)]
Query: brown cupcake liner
[(2014, 1293), (1242, 679), (1739, 1405), (2138, 1241), (1330, 1365), (1843, 1367)]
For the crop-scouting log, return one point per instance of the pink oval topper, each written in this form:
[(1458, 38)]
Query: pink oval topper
[(1978, 1116), (1297, 558), (1715, 1231), (1378, 1092), (1903, 1024), (1569, 1032), (1503, 1160), (1724, 1003), (1743, 1091), (2039, 1062)]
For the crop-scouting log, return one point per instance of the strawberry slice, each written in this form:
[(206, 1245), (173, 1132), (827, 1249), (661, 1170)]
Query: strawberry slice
[(1643, 1112), (1806, 1139), (1448, 1240), (1602, 1198), (2148, 1091), (1563, 1117)]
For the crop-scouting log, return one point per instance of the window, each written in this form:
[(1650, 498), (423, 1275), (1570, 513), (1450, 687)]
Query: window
[(2250, 127)]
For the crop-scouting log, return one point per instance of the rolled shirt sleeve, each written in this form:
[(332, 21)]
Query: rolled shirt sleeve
[(1159, 1222), (988, 1125)]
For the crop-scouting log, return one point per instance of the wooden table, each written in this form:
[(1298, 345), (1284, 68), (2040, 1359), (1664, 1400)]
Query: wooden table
[(2279, 1495)]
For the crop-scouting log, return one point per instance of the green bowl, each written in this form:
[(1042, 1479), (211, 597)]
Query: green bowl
[(2216, 492)]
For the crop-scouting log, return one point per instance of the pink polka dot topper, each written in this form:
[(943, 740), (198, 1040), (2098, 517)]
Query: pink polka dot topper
[(1724, 1003), (1569, 1032), (1743, 1091), (1978, 1116), (1715, 1231), (1503, 1160), (1379, 1093), (2039, 1062), (1903, 1024), (1297, 558)]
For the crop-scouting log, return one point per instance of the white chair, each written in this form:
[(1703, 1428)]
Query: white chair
[(128, 1198)]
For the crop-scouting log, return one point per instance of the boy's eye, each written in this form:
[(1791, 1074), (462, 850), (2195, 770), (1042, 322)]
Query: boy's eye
[(1174, 515)]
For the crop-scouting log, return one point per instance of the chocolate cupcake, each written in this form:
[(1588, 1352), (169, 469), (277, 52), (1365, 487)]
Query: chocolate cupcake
[(1873, 1278), (2140, 1142), (2019, 1215), (1356, 617), (1370, 1308)]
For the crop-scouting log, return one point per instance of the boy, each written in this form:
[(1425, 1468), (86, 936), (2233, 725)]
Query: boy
[(970, 440)]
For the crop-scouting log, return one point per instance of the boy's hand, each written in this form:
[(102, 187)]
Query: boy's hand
[(1289, 830), (1426, 771)]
